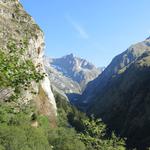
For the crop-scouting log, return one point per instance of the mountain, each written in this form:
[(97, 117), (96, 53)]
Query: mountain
[(28, 109), (70, 74), (120, 95), (59, 81), (19, 28)]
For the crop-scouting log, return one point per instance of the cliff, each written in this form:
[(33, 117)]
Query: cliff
[(17, 25)]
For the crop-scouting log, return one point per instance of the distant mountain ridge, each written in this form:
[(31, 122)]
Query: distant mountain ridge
[(70, 74), (80, 70), (118, 65)]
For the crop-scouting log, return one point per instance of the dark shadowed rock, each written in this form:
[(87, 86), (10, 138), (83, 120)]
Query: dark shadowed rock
[(120, 95)]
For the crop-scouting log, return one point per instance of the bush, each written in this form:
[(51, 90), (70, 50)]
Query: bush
[(65, 139), (95, 138), (23, 138)]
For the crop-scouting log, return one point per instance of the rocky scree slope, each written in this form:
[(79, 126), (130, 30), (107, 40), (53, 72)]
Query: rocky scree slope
[(17, 25), (121, 95)]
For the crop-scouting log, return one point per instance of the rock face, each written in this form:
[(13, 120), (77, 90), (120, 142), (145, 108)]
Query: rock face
[(70, 74), (60, 83), (77, 69), (120, 95), (16, 24)]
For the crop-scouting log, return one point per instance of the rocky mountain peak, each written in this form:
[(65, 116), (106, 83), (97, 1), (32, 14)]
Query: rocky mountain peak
[(74, 63), (70, 74), (69, 56), (78, 69), (148, 38)]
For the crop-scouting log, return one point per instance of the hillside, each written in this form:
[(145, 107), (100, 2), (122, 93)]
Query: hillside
[(120, 95)]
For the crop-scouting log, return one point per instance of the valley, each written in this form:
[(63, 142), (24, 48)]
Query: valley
[(68, 103)]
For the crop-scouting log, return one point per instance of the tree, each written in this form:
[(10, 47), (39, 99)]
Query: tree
[(16, 72), (95, 138), (65, 139)]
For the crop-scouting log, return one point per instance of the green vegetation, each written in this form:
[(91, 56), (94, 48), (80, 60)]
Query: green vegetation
[(95, 137), (16, 72), (16, 132), (74, 131), (16, 75), (65, 139), (92, 132)]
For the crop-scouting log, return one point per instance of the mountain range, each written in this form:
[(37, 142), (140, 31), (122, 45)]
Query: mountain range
[(119, 94), (70, 74)]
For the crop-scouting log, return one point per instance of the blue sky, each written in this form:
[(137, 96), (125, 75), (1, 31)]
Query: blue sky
[(93, 29)]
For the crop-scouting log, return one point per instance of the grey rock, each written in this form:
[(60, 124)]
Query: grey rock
[(70, 74), (16, 24)]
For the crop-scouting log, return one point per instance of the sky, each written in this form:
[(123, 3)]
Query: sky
[(96, 30)]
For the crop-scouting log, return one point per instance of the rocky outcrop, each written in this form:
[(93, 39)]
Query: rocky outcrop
[(17, 25)]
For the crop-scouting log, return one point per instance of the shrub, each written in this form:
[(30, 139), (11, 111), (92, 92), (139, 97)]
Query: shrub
[(23, 138), (95, 138), (65, 139)]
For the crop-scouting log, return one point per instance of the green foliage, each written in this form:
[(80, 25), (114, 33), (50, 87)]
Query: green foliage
[(16, 132), (16, 75), (95, 138), (65, 139), (62, 103), (43, 122), (68, 113), (90, 131), (10, 115), (74, 132), (2, 147), (23, 138), (16, 72), (63, 107)]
